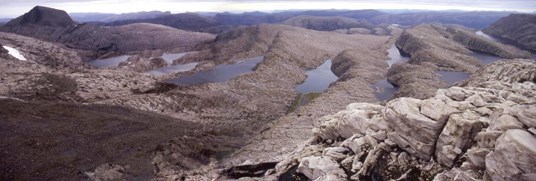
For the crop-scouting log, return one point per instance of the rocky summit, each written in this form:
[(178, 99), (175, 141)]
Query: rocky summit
[(291, 95), (482, 131), (43, 16)]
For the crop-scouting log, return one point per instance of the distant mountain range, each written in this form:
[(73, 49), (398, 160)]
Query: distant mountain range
[(218, 22), (110, 17)]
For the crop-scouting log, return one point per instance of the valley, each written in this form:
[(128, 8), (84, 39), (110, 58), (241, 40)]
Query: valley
[(291, 95)]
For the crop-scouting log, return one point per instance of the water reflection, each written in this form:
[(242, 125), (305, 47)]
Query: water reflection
[(395, 56), (452, 77), (318, 79), (219, 73), (109, 62), (173, 69)]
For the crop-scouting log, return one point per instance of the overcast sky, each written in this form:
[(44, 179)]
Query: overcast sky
[(14, 8)]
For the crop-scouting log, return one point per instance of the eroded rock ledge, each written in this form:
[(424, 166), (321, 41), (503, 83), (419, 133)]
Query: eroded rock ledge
[(481, 132), (435, 47)]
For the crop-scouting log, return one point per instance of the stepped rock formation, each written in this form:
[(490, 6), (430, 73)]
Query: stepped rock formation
[(517, 29), (415, 80), (440, 47), (482, 132), (327, 23)]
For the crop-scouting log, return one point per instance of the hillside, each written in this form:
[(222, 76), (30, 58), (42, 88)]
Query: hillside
[(518, 29), (474, 19), (43, 16), (327, 23), (184, 21), (440, 47), (182, 104), (101, 39), (462, 133)]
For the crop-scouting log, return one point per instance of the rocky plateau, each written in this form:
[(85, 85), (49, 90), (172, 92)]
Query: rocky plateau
[(61, 119)]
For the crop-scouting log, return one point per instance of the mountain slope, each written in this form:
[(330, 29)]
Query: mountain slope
[(184, 21), (519, 29), (327, 23), (475, 19), (100, 39), (43, 16)]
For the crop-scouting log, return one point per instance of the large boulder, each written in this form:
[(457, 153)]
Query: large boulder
[(358, 118), (321, 168), (456, 137), (414, 132), (514, 157)]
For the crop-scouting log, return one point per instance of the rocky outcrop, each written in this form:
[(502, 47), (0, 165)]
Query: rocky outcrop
[(431, 43), (505, 71), (139, 63), (107, 171), (321, 168), (513, 158), (469, 133), (415, 80), (440, 47), (517, 29), (327, 23)]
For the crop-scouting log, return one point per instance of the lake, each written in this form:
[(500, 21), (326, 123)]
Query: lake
[(395, 56), (169, 57), (219, 73), (318, 79), (452, 77), (383, 89), (108, 62)]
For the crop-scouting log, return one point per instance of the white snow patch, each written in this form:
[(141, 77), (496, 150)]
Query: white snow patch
[(14, 52), (13, 98)]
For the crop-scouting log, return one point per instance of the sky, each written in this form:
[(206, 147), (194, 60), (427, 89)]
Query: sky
[(14, 8)]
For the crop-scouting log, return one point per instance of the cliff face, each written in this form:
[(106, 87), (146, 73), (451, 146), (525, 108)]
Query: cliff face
[(517, 29), (486, 131)]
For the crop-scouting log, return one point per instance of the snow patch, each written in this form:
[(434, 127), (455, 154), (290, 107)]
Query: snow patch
[(12, 98), (14, 52)]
